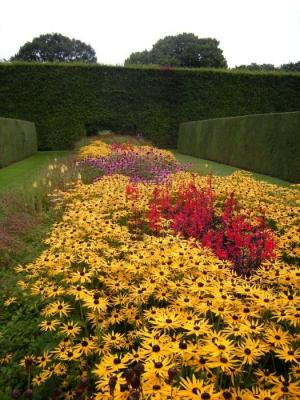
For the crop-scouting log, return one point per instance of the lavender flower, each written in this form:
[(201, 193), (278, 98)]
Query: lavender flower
[(145, 167)]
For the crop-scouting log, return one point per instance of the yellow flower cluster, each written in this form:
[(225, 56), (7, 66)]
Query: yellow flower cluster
[(158, 316), (96, 148), (160, 153)]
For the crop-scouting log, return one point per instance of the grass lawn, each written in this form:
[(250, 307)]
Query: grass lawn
[(205, 167), (24, 173)]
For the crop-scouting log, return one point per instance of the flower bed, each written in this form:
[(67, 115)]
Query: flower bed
[(231, 235), (143, 163), (134, 313)]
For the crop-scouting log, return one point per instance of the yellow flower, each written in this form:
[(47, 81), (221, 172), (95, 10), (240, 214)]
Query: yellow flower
[(86, 346), (59, 307), (43, 360), (10, 300), (69, 354), (250, 351), (49, 325), (277, 337), (70, 329), (288, 354), (195, 389)]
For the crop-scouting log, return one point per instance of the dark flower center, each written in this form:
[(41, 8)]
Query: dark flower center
[(156, 348)]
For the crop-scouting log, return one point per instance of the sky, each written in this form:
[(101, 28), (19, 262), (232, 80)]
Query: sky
[(261, 31)]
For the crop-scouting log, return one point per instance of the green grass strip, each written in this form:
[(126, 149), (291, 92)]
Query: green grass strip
[(23, 173), (205, 167)]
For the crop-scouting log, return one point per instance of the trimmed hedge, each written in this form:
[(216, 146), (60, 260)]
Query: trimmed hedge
[(264, 143), (63, 99), (18, 140)]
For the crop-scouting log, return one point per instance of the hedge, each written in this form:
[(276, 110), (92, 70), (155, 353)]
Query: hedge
[(264, 143), (18, 140), (64, 99)]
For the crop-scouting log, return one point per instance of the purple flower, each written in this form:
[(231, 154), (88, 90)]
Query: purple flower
[(149, 167)]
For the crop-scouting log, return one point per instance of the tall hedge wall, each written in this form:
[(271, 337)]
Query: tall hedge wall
[(265, 143), (63, 98), (18, 140)]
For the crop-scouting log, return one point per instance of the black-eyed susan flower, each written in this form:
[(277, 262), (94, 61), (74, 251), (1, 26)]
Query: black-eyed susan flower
[(195, 389), (49, 325), (250, 351), (70, 329), (58, 307)]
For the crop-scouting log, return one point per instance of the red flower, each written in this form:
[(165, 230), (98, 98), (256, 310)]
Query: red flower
[(232, 237)]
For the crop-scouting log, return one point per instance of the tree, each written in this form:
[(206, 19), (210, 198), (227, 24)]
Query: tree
[(183, 50), (291, 67), (55, 47), (140, 57), (257, 67)]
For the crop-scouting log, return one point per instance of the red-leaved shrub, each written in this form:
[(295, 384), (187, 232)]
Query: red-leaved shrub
[(230, 234)]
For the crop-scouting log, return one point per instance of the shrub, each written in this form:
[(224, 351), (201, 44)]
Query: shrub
[(264, 143), (66, 100), (18, 140)]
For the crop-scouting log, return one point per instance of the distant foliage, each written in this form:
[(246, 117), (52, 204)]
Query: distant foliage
[(183, 50), (290, 67), (257, 67), (55, 47)]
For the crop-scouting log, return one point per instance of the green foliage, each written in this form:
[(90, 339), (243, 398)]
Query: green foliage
[(22, 174), (55, 47), (257, 67), (19, 331), (18, 140), (139, 57), (183, 50), (265, 143), (291, 67), (206, 167), (65, 99)]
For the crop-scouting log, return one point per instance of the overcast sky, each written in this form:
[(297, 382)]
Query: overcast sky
[(262, 31)]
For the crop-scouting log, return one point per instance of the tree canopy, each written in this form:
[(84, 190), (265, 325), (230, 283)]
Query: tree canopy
[(257, 67), (290, 67), (55, 47), (183, 50)]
